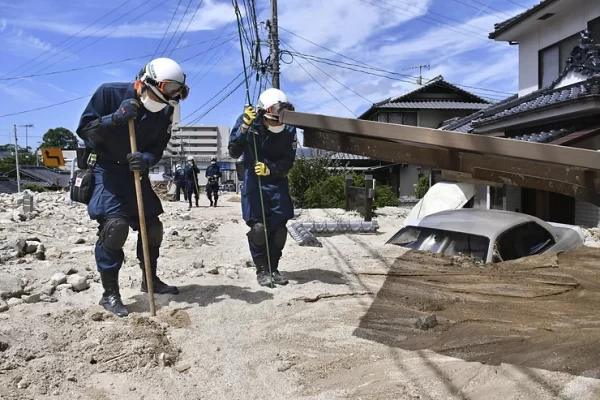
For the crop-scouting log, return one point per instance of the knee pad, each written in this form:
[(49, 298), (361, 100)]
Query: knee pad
[(280, 237), (155, 233), (256, 235), (114, 233)]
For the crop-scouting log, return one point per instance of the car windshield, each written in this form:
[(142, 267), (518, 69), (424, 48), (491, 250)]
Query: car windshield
[(444, 242)]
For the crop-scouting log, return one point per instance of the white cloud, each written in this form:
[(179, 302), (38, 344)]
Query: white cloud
[(211, 15), (2, 24), (116, 72)]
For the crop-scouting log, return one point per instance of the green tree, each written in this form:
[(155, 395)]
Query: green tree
[(309, 171), (422, 186), (60, 137), (8, 163)]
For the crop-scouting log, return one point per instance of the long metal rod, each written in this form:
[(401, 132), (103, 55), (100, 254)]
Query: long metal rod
[(427, 137), (17, 161)]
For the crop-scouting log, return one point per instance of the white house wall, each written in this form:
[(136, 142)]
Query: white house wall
[(571, 18)]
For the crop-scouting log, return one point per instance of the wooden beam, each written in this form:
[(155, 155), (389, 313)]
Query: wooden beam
[(467, 178), (464, 142)]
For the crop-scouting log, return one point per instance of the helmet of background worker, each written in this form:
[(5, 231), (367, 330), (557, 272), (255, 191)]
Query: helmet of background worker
[(213, 160), (163, 83), (190, 160), (271, 102), (177, 167)]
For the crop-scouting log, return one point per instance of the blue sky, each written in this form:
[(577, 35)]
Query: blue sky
[(395, 35)]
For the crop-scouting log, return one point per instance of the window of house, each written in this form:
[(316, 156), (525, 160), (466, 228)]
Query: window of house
[(553, 59), (402, 118), (497, 198), (594, 28)]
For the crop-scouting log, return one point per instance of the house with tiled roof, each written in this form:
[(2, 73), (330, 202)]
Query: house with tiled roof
[(558, 100), (427, 106)]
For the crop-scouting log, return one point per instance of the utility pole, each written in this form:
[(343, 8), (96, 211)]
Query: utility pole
[(26, 133), (17, 161), (420, 81), (274, 33)]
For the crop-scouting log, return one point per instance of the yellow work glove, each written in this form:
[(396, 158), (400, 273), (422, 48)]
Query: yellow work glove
[(249, 117), (261, 169)]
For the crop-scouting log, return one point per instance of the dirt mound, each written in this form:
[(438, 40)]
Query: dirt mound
[(71, 345), (538, 312)]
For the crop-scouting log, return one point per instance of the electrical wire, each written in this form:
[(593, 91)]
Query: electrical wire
[(442, 16), (231, 43), (166, 30), (64, 71), (213, 97), (95, 41), (377, 68), (48, 106), (492, 8), (177, 29), (187, 27), (476, 8), (331, 77), (394, 10), (67, 39), (517, 4), (216, 105)]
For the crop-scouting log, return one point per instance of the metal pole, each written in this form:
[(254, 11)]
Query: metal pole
[(17, 161), (274, 44), (26, 133)]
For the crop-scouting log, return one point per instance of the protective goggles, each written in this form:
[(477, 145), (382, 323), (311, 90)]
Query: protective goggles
[(170, 92), (275, 110)]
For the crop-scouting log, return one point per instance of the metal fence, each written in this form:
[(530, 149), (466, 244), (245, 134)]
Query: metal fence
[(360, 198)]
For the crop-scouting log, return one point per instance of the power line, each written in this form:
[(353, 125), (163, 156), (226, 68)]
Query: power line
[(442, 16), (212, 98), (97, 40), (167, 30), (491, 8), (216, 62), (464, 32), (116, 62), (187, 27), (177, 29), (363, 64), (476, 8), (48, 106), (70, 37), (324, 88), (219, 103), (331, 77), (517, 4)]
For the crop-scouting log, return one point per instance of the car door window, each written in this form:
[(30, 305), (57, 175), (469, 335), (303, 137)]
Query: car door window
[(523, 240)]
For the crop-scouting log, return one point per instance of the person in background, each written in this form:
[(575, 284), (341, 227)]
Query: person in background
[(276, 147), (179, 178), (191, 178), (213, 174)]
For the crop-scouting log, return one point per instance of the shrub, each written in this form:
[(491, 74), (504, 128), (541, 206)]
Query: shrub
[(308, 172), (422, 186), (34, 188), (385, 197), (329, 193)]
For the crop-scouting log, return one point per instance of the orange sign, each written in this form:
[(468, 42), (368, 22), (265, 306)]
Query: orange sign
[(53, 157)]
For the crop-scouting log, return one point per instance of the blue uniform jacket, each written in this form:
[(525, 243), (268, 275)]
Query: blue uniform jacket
[(111, 143), (278, 152), (191, 177), (114, 189), (212, 170), (179, 176)]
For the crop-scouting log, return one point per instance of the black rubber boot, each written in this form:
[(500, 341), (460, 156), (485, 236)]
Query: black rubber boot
[(278, 279), (159, 286), (262, 273), (197, 200), (216, 198), (111, 298)]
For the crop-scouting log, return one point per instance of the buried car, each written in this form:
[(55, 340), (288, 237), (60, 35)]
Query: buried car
[(487, 235)]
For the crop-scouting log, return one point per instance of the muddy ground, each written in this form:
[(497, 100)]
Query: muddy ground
[(345, 327)]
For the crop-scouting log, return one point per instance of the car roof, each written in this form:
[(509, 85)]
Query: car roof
[(482, 222)]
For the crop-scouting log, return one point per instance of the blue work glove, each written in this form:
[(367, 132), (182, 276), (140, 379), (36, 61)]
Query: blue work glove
[(136, 162), (127, 110)]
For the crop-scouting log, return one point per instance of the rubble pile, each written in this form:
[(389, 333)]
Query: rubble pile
[(592, 237)]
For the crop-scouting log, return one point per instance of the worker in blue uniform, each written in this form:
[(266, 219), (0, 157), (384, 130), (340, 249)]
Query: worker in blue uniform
[(213, 174), (179, 178), (276, 146), (191, 180), (150, 102)]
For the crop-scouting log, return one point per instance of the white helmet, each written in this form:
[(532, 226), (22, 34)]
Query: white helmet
[(166, 79), (272, 101), (190, 158), (177, 166)]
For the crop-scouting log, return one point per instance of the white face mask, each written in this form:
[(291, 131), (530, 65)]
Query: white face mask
[(276, 129), (213, 162), (151, 105)]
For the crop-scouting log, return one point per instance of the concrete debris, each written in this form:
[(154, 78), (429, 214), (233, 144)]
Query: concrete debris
[(10, 286), (65, 286), (213, 271), (14, 301), (69, 270), (426, 322), (79, 283), (32, 299), (3, 305), (59, 278)]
